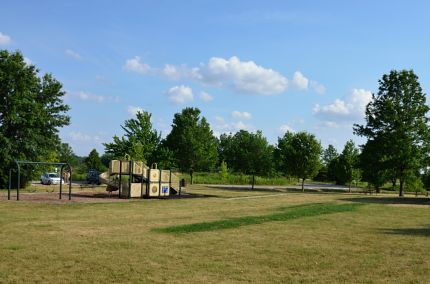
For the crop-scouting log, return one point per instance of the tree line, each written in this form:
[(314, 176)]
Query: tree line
[(396, 127)]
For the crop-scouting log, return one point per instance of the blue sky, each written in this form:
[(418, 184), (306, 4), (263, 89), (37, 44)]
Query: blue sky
[(254, 65)]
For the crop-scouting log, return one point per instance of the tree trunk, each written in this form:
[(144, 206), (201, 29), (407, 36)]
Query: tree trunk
[(303, 184), (349, 190), (191, 177), (253, 182), (377, 189), (401, 188)]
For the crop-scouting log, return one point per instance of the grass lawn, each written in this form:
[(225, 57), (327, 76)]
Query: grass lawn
[(275, 237)]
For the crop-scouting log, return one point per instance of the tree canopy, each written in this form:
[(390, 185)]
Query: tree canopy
[(31, 112), (192, 142), (247, 153), (346, 164), (299, 154), (396, 120), (140, 140), (371, 162), (93, 161)]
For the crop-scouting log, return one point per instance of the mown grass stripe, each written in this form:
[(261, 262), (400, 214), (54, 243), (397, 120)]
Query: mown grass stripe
[(288, 213)]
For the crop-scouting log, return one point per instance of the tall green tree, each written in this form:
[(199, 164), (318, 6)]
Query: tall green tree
[(66, 154), (371, 163), (192, 142), (397, 118), (328, 157), (300, 154), (140, 140), (165, 157), (31, 112), (93, 161), (347, 165), (248, 153), (329, 154)]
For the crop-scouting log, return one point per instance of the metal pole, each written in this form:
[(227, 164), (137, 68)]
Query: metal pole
[(10, 184), (159, 182), (19, 182), (148, 172), (70, 182), (130, 176), (141, 181), (120, 176), (61, 181), (170, 181)]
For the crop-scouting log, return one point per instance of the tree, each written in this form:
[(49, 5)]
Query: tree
[(327, 171), (346, 169), (66, 154), (31, 113), (300, 155), (223, 171), (140, 140), (165, 157), (106, 158), (371, 163), (248, 153), (329, 155), (396, 118), (93, 161), (192, 142)]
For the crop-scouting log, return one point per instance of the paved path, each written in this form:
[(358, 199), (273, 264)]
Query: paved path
[(311, 186)]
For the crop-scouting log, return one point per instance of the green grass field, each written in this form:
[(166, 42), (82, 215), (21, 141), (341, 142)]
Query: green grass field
[(223, 236)]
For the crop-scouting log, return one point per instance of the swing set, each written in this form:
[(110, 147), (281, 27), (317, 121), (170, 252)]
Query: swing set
[(18, 176)]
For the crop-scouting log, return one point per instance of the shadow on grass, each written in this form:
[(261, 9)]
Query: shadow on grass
[(390, 200), (424, 232), (288, 213)]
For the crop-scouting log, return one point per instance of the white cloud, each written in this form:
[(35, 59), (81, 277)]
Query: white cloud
[(206, 97), (27, 61), (73, 54), (318, 88), (241, 115), (299, 81), (285, 128), (242, 76), (176, 72), (329, 124), (351, 107), (4, 39), (180, 94), (100, 78), (79, 136), (134, 65), (90, 97), (85, 96), (220, 126), (133, 110)]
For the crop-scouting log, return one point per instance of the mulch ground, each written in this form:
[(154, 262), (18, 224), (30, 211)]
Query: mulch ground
[(53, 197), (78, 196)]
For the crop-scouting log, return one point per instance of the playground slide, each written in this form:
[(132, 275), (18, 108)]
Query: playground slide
[(105, 179)]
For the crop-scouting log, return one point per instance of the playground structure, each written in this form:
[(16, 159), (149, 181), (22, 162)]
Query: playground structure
[(141, 182), (132, 179)]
